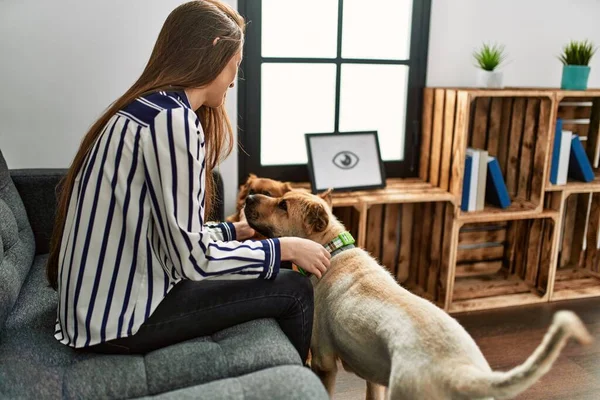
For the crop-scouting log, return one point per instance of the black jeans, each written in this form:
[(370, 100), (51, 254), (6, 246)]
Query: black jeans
[(192, 309)]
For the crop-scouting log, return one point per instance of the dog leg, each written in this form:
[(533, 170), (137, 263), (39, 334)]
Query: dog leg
[(327, 378), (375, 391)]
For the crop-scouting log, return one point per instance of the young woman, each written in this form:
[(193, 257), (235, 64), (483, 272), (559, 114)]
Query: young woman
[(135, 266)]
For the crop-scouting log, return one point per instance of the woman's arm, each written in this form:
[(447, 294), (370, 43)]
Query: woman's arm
[(223, 231), (174, 158), (226, 231)]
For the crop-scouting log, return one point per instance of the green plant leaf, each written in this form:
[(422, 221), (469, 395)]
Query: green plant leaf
[(489, 57), (578, 53)]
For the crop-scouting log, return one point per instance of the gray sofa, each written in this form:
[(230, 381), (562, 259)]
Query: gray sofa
[(250, 361)]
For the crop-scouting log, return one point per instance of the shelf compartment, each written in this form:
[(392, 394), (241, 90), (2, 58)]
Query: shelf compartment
[(578, 272), (575, 283), (502, 263), (581, 115), (512, 126), (412, 241)]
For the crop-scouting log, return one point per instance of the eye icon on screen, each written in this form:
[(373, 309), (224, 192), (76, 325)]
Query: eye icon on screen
[(345, 160)]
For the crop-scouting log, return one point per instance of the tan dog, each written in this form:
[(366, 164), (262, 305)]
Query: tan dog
[(387, 335), (256, 185)]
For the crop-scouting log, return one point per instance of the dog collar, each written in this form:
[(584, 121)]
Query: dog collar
[(343, 241)]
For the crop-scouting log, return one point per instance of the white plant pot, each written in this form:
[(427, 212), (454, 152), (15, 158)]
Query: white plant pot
[(489, 79)]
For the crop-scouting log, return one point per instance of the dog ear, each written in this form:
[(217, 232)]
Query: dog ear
[(317, 218), (326, 195), (288, 187), (243, 193), (241, 198)]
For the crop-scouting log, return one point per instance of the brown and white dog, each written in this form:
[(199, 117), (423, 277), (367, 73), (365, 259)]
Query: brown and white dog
[(387, 335)]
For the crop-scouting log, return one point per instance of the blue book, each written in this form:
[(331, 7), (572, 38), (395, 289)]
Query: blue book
[(464, 204), (579, 164), (556, 152), (495, 189)]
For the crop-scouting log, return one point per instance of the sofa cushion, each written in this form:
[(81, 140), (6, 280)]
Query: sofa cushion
[(35, 365), (18, 246), (290, 382)]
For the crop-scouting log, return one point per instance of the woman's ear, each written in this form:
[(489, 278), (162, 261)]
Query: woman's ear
[(317, 218)]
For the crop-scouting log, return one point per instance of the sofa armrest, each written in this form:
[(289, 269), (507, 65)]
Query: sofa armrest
[(38, 190)]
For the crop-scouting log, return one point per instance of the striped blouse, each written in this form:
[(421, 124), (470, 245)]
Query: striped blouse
[(135, 228)]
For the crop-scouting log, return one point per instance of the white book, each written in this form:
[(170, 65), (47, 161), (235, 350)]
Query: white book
[(563, 160), (482, 178), (475, 157)]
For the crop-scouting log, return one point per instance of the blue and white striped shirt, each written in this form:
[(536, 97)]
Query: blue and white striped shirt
[(135, 228)]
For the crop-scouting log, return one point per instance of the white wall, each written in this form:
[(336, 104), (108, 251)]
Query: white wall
[(62, 62), (58, 68), (533, 32)]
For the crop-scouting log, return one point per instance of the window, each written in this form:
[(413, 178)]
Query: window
[(322, 66)]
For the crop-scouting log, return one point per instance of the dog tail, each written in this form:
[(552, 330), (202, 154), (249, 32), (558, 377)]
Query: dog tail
[(474, 383)]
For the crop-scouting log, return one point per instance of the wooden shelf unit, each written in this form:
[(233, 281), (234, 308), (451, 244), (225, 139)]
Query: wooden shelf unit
[(529, 253)]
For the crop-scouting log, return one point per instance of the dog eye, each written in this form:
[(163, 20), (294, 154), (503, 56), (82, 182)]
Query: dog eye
[(251, 192), (282, 205), (266, 193)]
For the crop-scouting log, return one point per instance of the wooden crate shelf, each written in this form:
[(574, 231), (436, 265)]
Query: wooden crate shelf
[(517, 127), (513, 126), (502, 263), (534, 251)]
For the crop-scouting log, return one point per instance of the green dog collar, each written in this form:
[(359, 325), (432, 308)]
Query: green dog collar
[(343, 241), (340, 241)]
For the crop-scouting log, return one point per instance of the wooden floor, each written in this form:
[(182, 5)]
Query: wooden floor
[(508, 336)]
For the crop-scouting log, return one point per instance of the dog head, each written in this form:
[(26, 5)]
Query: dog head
[(256, 185), (265, 186), (296, 213)]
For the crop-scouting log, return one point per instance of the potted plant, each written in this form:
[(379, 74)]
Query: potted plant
[(575, 58), (488, 58)]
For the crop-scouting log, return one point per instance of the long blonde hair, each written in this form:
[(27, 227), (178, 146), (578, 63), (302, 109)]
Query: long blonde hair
[(184, 56)]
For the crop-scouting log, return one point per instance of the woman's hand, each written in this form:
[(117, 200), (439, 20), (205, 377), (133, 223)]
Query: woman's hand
[(308, 255), (243, 231)]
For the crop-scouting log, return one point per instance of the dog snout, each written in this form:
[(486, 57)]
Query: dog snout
[(251, 200)]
